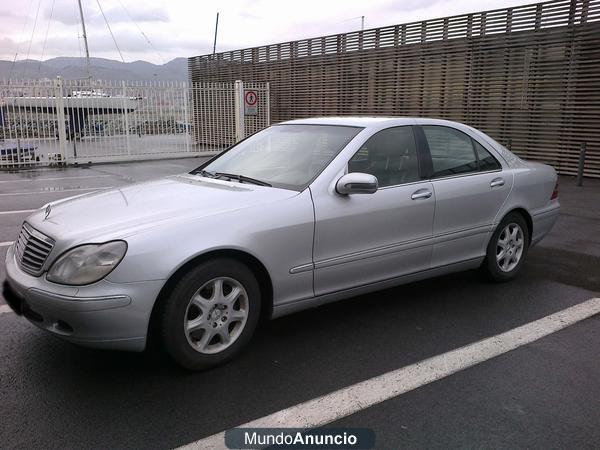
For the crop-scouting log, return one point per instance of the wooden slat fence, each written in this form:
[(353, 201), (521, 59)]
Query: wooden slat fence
[(529, 76)]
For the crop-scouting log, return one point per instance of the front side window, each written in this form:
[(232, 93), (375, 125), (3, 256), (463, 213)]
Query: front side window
[(454, 152), (390, 155), (285, 156)]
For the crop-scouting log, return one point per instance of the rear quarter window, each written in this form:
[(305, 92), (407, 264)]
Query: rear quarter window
[(486, 160)]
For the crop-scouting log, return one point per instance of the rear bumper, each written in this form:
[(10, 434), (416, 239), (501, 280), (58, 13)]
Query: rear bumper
[(543, 221), (103, 315)]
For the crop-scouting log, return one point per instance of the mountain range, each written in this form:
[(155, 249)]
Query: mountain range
[(101, 69)]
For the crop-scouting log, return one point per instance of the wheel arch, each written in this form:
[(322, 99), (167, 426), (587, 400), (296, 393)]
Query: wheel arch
[(525, 214), (252, 262)]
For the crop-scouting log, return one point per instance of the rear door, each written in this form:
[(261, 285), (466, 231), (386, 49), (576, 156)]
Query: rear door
[(470, 188)]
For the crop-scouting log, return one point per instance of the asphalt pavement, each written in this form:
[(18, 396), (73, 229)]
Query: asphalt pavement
[(543, 394)]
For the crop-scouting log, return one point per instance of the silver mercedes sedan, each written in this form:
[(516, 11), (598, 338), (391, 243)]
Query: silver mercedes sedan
[(300, 214)]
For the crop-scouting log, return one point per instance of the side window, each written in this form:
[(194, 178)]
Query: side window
[(451, 151), (390, 155), (486, 160)]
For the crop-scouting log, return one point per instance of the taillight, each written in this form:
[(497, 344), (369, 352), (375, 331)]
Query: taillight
[(555, 191)]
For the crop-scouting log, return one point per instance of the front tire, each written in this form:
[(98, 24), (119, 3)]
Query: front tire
[(507, 249), (211, 314)]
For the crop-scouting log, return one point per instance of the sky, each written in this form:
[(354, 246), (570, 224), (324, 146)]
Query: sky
[(160, 30)]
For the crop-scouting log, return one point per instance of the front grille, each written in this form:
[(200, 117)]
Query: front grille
[(31, 249)]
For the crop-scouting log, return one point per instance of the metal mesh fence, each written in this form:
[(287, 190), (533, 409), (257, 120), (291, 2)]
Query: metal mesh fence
[(24, 131), (218, 118), (45, 122), (213, 108), (528, 76), (262, 119)]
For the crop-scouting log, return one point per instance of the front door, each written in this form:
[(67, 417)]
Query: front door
[(365, 238)]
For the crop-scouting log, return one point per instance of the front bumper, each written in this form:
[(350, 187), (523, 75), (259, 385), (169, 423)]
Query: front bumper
[(103, 315)]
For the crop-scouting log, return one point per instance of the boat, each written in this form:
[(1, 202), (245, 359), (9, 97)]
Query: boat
[(92, 102)]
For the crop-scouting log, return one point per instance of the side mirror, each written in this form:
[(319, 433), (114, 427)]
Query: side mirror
[(357, 183)]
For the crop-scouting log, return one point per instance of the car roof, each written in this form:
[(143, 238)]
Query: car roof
[(348, 121), (361, 121)]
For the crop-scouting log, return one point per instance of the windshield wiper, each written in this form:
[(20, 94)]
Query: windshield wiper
[(204, 173), (242, 178)]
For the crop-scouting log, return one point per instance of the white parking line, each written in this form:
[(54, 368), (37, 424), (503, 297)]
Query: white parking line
[(21, 211), (6, 244), (349, 400), (5, 309), (52, 178), (56, 191)]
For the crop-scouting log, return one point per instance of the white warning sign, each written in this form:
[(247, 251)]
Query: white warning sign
[(250, 102)]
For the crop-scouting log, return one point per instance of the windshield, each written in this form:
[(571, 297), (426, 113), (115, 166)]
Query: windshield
[(286, 156)]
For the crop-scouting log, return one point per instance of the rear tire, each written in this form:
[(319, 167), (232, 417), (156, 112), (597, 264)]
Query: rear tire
[(507, 249), (211, 314)]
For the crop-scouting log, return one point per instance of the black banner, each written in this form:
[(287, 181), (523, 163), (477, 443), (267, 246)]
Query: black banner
[(300, 438)]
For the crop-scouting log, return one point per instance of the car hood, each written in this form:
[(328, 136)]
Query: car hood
[(134, 208)]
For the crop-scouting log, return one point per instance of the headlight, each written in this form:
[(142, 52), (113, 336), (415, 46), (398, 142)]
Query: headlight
[(87, 263)]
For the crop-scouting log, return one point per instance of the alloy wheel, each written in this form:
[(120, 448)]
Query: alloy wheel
[(216, 315), (509, 248)]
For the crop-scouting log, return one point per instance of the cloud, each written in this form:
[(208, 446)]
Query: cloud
[(67, 13), (102, 45), (247, 15), (150, 15), (7, 46), (11, 14), (64, 11)]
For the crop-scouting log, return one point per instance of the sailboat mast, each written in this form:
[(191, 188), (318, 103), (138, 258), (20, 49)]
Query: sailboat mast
[(87, 50), (216, 29)]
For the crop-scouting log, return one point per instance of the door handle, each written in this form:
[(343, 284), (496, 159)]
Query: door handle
[(421, 193), (497, 182)]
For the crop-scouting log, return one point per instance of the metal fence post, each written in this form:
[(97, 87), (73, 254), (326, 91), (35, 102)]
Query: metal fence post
[(581, 165), (18, 151), (186, 114), (60, 118), (125, 112), (239, 110), (268, 92)]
